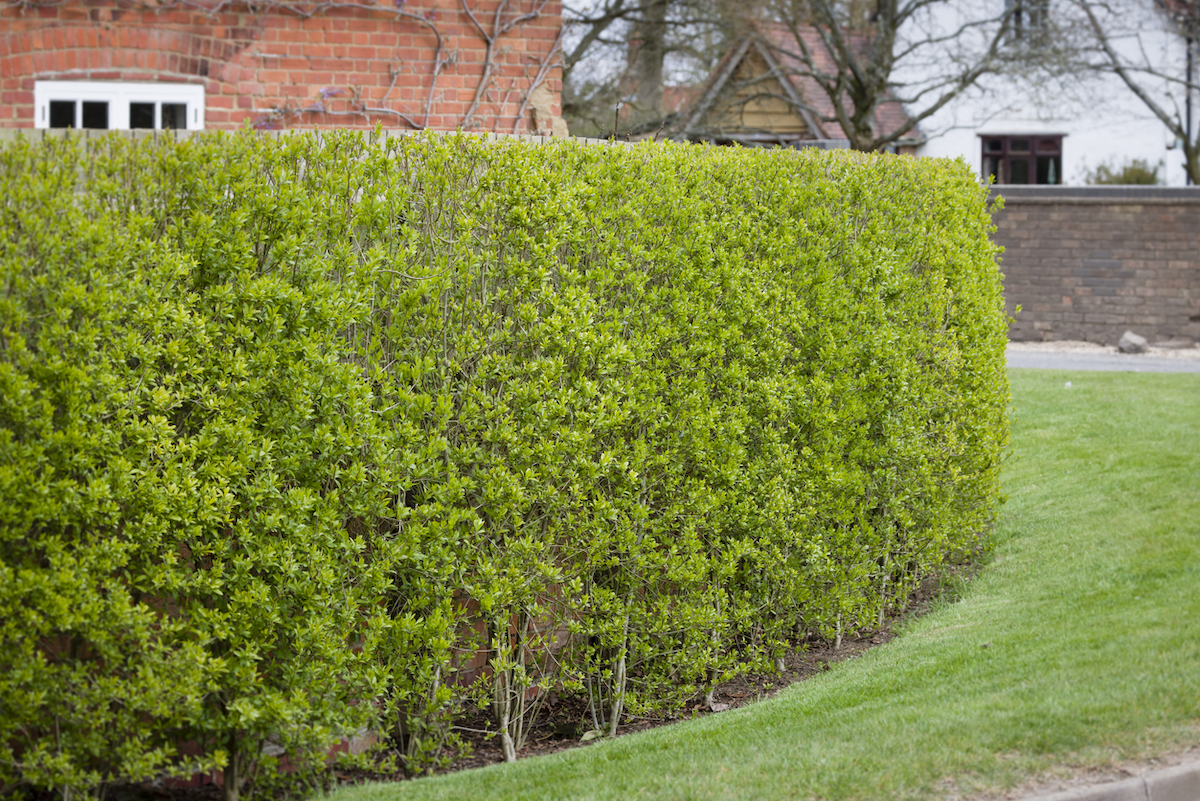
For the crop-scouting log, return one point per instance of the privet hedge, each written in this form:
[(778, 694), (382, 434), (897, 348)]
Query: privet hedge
[(294, 431)]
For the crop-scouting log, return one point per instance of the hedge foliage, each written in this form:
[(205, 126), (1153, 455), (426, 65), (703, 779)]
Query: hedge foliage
[(295, 431)]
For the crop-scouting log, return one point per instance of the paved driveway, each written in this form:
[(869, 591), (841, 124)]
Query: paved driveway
[(1077, 356)]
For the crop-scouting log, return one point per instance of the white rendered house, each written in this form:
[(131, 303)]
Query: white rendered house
[(1025, 131)]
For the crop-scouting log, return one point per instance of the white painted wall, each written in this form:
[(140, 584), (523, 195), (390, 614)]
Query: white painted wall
[(1103, 121)]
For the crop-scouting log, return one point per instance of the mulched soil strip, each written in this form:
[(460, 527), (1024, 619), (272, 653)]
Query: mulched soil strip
[(558, 726)]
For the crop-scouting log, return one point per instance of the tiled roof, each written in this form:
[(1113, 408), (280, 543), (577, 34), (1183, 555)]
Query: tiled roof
[(678, 99)]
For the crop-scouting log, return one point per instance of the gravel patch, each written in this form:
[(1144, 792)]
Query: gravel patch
[(1084, 348)]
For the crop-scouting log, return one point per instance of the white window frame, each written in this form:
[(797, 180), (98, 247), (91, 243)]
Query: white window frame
[(118, 95)]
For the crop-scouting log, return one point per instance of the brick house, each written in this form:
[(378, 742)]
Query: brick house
[(484, 65)]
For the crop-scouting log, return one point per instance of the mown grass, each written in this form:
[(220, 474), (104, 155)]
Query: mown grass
[(1078, 644)]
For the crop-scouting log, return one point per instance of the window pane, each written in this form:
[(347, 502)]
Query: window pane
[(95, 114), (62, 113), (1049, 170), (1019, 146), (991, 168), (1018, 171), (141, 115), (1048, 145), (993, 145), (174, 116), (1036, 9)]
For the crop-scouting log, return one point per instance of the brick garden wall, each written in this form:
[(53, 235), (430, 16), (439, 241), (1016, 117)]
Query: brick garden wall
[(1089, 263), (349, 64)]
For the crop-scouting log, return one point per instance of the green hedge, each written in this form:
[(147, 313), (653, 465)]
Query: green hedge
[(294, 430)]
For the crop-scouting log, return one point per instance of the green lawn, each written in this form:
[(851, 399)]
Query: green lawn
[(1079, 644)]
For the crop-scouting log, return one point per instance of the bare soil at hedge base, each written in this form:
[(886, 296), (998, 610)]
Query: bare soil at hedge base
[(561, 724)]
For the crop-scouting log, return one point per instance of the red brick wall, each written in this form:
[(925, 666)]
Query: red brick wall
[(1089, 263), (262, 63)]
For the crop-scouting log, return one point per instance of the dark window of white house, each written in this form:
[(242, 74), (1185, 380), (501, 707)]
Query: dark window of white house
[(1027, 21), (1022, 158)]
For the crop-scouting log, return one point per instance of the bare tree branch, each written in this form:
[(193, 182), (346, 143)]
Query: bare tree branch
[(1181, 18), (862, 65)]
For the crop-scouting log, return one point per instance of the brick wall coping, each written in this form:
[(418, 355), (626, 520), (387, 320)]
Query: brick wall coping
[(1107, 195)]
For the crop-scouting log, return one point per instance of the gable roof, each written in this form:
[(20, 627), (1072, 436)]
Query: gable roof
[(761, 83), (780, 75)]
